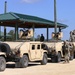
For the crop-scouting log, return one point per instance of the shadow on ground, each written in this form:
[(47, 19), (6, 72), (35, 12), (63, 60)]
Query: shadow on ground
[(29, 65), (10, 65), (49, 61)]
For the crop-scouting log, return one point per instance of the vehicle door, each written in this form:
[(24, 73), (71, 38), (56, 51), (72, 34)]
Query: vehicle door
[(32, 51), (38, 51)]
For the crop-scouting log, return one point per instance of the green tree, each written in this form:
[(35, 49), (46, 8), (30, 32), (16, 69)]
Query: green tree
[(11, 32)]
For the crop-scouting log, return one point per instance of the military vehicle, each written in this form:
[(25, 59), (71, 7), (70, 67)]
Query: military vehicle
[(22, 52), (2, 61), (54, 48)]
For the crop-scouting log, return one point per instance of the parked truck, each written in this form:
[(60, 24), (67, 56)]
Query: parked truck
[(54, 46), (22, 53), (54, 50)]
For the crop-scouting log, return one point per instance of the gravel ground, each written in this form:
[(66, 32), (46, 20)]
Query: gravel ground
[(37, 69)]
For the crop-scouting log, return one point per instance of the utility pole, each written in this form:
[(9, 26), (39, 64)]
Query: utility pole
[(5, 8), (55, 18)]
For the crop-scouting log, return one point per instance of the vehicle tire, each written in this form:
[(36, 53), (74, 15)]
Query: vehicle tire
[(56, 58), (2, 63), (5, 48), (53, 59), (24, 61), (44, 60)]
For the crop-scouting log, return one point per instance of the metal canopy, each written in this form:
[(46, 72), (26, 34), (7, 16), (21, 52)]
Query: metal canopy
[(25, 21)]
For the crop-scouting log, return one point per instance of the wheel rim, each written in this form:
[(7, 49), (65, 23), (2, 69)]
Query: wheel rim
[(45, 59), (2, 65), (25, 61), (59, 57)]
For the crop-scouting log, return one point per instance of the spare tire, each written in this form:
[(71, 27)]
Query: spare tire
[(5, 48)]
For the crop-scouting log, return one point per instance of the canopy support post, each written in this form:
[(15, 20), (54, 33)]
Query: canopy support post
[(16, 32), (47, 33), (33, 31), (59, 29), (0, 32)]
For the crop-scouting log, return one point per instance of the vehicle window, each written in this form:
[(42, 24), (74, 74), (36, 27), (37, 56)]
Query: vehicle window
[(42, 46), (38, 46), (33, 47)]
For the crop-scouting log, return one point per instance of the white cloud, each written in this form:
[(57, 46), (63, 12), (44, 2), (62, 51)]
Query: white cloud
[(30, 1)]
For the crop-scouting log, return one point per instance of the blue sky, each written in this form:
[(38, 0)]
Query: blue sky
[(44, 9)]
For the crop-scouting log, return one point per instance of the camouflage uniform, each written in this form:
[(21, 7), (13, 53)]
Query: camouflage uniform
[(72, 50), (73, 47), (66, 51)]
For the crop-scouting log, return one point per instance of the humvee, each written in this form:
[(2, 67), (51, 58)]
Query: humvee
[(2, 61), (55, 51), (23, 52), (54, 48)]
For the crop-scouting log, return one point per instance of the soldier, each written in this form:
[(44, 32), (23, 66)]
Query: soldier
[(42, 38), (71, 36), (71, 51), (73, 47), (66, 51)]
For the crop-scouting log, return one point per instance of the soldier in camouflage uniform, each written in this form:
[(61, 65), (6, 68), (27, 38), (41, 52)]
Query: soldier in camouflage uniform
[(66, 51), (71, 51)]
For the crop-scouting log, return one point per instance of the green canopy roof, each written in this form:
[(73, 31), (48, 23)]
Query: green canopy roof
[(26, 21)]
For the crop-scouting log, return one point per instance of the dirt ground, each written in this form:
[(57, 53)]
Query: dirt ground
[(37, 69)]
